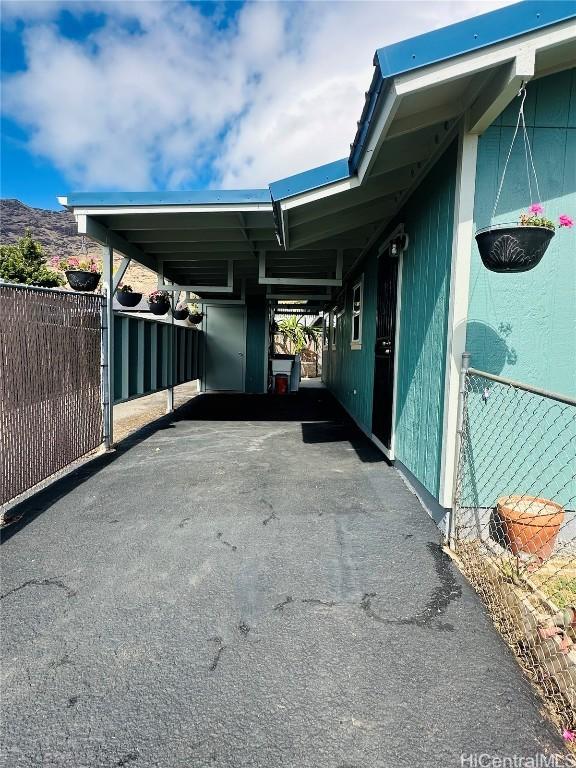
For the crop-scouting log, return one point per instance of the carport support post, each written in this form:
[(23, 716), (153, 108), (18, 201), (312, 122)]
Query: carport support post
[(171, 357), (108, 348), (458, 448)]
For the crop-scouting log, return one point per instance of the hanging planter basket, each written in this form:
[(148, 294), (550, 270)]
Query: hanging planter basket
[(128, 298), (180, 314), (196, 317), (513, 248), (519, 247), (80, 280), (159, 307)]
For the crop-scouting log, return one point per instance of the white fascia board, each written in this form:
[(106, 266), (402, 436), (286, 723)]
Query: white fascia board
[(139, 209), (378, 133), (484, 59), (443, 72), (318, 194)]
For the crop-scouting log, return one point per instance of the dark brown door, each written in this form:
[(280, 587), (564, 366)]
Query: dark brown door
[(384, 352)]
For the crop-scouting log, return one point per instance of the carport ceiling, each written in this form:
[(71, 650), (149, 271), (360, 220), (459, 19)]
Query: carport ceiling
[(215, 248)]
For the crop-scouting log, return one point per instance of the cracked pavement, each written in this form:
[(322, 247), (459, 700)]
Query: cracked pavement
[(248, 585)]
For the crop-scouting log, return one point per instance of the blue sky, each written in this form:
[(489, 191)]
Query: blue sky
[(140, 95)]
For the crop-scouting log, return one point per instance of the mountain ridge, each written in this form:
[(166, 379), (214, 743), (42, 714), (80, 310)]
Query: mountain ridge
[(57, 233)]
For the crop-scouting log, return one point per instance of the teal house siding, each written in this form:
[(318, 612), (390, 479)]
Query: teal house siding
[(349, 373), (256, 351), (428, 218), (523, 326)]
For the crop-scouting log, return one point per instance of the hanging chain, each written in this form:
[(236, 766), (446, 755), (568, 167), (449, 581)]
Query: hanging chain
[(527, 154)]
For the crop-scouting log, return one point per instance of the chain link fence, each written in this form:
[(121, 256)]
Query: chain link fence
[(514, 524), (50, 383)]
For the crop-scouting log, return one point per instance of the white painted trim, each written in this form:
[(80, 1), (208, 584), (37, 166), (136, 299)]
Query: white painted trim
[(318, 194), (396, 350), (382, 252), (379, 444), (304, 281), (458, 304), (386, 115), (131, 210), (477, 61), (500, 91), (357, 343)]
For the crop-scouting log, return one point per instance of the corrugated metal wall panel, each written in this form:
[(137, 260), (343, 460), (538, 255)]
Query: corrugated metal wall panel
[(143, 357)]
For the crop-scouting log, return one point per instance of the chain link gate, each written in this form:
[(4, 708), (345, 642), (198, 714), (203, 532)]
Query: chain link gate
[(513, 525), (50, 383)]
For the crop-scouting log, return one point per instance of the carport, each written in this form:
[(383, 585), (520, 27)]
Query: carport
[(248, 583)]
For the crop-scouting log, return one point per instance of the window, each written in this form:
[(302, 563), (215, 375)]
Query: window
[(357, 291), (333, 327), (325, 330)]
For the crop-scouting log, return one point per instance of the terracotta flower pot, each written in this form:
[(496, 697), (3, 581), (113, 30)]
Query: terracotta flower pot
[(530, 524)]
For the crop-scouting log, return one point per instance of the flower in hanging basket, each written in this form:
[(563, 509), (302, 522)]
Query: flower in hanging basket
[(520, 247), (195, 313), (127, 297), (83, 274), (159, 302), (180, 311), (159, 297)]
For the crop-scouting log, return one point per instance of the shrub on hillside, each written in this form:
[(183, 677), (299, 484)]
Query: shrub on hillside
[(25, 262)]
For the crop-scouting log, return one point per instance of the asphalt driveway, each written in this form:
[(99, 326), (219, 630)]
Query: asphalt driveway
[(248, 585)]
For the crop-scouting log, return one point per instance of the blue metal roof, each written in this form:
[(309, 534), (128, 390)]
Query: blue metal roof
[(315, 177), (448, 42), (204, 197), (472, 34), (405, 56)]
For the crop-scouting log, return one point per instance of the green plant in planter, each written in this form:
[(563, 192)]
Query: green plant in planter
[(25, 262), (125, 289), (296, 335), (534, 217)]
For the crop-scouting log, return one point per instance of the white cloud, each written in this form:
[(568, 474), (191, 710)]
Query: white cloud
[(162, 96)]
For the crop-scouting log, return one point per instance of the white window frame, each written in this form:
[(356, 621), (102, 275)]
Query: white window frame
[(333, 328), (326, 330), (357, 343)]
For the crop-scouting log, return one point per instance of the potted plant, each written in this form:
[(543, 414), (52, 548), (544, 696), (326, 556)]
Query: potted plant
[(180, 311), (127, 297), (530, 524), (159, 302), (518, 247), (83, 274), (195, 314)]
